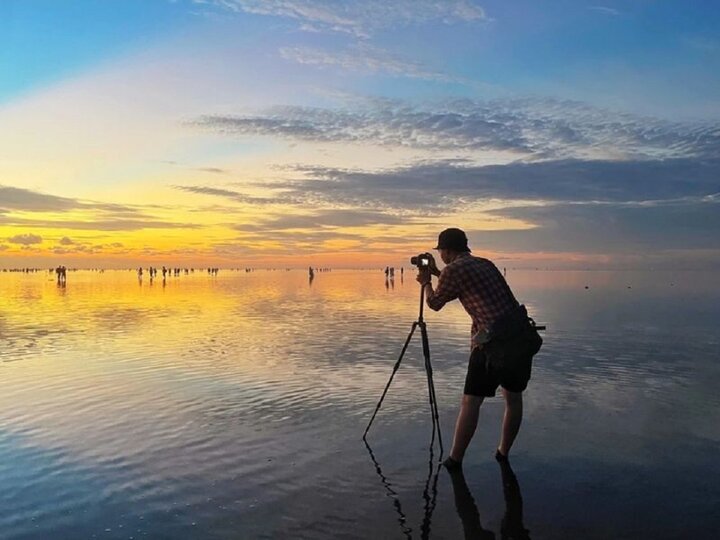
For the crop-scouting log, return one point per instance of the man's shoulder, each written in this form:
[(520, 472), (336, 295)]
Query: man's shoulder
[(471, 260)]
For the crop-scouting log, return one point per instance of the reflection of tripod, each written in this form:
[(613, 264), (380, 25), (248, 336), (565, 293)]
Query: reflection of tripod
[(428, 371), (429, 494)]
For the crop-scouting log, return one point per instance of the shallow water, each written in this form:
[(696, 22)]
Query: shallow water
[(233, 407)]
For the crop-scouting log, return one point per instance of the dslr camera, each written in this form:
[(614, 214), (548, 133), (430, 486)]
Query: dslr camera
[(421, 261)]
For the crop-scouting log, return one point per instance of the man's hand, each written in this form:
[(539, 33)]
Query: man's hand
[(432, 267), (423, 276)]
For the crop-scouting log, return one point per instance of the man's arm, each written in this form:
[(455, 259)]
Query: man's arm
[(447, 289)]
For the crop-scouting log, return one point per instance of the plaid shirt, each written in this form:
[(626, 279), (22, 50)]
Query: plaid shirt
[(480, 287)]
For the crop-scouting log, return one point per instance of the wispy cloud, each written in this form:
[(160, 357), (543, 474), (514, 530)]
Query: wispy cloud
[(228, 194), (211, 170), (324, 219), (96, 224), (365, 59), (14, 198), (702, 43), (87, 215), (537, 128), (605, 10), (357, 18)]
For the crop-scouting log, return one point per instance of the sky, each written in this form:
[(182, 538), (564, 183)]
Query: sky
[(236, 133)]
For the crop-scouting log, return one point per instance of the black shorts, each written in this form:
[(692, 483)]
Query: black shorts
[(502, 363)]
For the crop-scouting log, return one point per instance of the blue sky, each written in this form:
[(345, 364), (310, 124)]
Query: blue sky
[(583, 50), (318, 125)]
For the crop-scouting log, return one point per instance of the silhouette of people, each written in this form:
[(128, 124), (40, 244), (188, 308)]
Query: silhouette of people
[(61, 272)]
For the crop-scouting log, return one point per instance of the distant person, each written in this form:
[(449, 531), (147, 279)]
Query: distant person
[(61, 274), (503, 339)]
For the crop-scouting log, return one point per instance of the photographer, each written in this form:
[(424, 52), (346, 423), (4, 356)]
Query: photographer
[(503, 338)]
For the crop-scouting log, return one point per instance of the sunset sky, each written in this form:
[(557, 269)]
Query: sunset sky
[(559, 134)]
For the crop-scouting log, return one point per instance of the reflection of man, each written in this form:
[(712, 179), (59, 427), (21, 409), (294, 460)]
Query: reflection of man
[(503, 342), (511, 527)]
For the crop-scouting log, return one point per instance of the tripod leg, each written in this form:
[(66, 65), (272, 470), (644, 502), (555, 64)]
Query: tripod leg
[(395, 368), (431, 385)]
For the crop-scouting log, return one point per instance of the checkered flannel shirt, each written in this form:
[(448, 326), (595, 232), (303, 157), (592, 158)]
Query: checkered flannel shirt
[(480, 287)]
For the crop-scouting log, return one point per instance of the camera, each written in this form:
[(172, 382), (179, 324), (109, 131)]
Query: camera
[(421, 261)]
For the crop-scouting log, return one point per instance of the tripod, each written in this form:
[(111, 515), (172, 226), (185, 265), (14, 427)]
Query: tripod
[(428, 371)]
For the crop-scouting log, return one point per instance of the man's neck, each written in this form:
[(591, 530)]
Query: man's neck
[(456, 255)]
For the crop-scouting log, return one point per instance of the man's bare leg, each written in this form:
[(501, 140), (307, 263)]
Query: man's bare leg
[(465, 425), (511, 420)]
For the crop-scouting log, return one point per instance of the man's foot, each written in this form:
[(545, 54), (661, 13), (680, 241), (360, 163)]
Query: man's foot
[(499, 457), (451, 464)]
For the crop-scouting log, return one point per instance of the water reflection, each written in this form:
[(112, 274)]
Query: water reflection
[(511, 527), (172, 396), (430, 493)]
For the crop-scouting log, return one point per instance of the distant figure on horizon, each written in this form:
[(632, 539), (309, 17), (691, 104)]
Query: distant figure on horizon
[(61, 272), (503, 339)]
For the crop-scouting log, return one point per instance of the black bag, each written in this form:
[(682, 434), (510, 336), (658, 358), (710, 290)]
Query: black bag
[(513, 339)]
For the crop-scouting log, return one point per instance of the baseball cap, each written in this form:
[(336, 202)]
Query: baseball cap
[(454, 239)]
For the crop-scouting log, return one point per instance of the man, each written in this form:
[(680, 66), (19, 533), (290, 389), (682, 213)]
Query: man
[(503, 339)]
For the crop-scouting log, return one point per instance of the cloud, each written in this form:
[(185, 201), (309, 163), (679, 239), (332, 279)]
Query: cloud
[(433, 187), (23, 199), (358, 18), (605, 10), (65, 241), (226, 193), (365, 59), (213, 170), (689, 224), (702, 43), (571, 206), (95, 224), (98, 216), (533, 128), (25, 239), (13, 198), (324, 219)]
